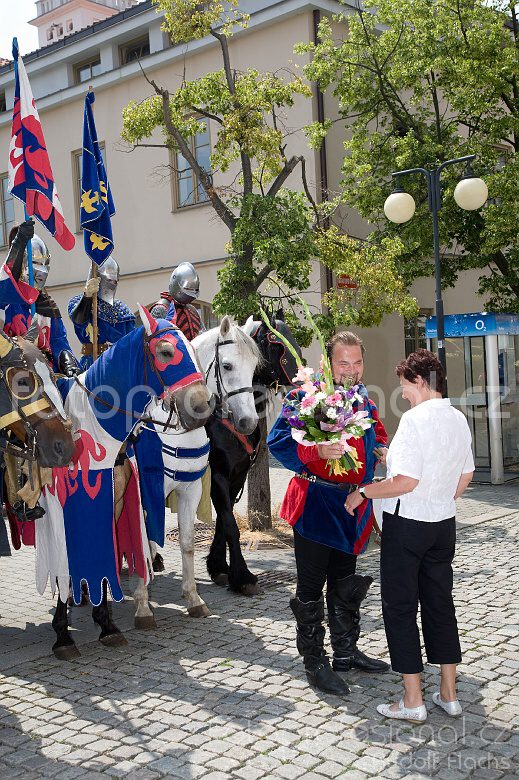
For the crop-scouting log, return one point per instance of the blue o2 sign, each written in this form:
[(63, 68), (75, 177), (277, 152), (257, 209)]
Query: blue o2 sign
[(480, 324)]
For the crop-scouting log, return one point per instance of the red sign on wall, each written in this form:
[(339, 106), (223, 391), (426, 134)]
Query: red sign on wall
[(345, 282)]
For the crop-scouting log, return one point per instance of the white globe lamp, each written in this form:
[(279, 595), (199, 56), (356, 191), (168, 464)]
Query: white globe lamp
[(399, 207), (471, 193)]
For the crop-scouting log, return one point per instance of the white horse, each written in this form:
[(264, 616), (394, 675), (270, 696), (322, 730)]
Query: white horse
[(228, 358)]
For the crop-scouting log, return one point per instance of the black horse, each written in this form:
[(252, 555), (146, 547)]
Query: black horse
[(232, 455)]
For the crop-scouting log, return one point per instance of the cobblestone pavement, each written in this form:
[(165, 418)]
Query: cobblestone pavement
[(226, 697)]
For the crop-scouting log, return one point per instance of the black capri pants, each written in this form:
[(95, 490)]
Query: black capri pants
[(416, 567), (318, 564)]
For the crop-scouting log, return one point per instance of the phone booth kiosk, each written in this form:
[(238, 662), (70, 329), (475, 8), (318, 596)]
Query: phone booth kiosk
[(483, 382)]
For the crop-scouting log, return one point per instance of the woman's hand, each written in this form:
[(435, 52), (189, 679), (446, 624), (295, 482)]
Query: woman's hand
[(381, 454), (331, 450), (353, 501)]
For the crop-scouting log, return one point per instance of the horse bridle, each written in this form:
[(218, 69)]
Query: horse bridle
[(148, 356), (222, 395), (23, 412)]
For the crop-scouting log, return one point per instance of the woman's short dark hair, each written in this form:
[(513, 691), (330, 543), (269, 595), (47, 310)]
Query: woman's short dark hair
[(423, 363)]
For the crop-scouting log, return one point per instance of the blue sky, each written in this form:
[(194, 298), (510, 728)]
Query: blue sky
[(15, 19)]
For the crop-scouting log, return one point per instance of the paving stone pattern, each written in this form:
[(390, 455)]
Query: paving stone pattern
[(226, 697)]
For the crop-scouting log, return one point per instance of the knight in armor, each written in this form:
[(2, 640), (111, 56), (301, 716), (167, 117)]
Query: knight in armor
[(176, 304), (16, 295), (114, 318)]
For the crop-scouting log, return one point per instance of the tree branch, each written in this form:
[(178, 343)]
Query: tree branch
[(246, 164), (309, 194), (283, 176), (203, 176), (207, 114)]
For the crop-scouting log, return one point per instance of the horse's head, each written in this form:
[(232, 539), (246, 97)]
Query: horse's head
[(30, 403), (229, 359), (278, 366), (174, 370)]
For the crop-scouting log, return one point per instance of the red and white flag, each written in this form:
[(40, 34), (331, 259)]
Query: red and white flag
[(30, 173)]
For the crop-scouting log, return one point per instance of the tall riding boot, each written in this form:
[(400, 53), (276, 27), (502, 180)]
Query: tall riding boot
[(310, 644), (344, 600)]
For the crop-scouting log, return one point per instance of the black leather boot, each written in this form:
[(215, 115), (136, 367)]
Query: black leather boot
[(310, 644), (343, 603)]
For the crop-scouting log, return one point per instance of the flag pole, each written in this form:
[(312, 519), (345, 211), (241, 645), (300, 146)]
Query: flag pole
[(95, 323), (29, 243)]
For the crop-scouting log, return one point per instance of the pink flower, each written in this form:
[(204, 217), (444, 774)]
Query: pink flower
[(334, 399), (309, 388), (308, 402), (304, 374)]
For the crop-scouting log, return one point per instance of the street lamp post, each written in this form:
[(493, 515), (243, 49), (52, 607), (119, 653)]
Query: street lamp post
[(470, 194)]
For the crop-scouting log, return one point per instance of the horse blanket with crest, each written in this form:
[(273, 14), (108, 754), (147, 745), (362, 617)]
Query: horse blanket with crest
[(78, 536)]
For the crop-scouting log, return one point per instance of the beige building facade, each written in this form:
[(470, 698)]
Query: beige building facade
[(161, 220)]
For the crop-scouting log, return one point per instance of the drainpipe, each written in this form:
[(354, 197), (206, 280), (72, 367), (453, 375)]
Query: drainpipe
[(323, 160)]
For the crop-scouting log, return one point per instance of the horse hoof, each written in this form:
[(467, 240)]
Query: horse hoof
[(158, 563), (200, 611), (221, 579), (145, 622), (66, 652), (250, 589), (113, 640)]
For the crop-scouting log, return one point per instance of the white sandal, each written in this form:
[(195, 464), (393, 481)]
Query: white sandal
[(452, 708), (412, 714)]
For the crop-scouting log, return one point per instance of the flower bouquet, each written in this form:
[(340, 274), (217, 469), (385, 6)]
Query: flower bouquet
[(325, 412)]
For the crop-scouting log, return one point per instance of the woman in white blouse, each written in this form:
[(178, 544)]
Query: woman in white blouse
[(429, 465)]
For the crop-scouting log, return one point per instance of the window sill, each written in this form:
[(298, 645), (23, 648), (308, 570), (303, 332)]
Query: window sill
[(180, 209)]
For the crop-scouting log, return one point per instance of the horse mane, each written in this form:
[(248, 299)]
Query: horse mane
[(244, 342)]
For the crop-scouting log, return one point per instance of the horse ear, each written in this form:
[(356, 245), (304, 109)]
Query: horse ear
[(248, 326), (280, 315), (149, 322), (225, 326), (33, 333), (5, 345)]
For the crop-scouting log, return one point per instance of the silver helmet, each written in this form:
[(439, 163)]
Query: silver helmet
[(40, 262), (184, 284), (108, 273)]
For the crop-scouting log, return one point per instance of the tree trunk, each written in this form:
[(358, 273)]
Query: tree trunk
[(259, 503)]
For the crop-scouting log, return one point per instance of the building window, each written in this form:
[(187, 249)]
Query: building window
[(50, 34), (87, 71), (207, 315), (3, 103), (187, 190), (135, 50), (6, 211), (70, 25), (77, 171), (414, 332)]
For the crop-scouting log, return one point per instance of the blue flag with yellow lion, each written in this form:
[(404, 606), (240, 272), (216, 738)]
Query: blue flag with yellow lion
[(97, 206)]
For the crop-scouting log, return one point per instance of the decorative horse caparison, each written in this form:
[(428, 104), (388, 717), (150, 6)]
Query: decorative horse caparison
[(79, 540), (228, 358)]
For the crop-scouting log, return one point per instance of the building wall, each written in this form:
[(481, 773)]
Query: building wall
[(150, 236)]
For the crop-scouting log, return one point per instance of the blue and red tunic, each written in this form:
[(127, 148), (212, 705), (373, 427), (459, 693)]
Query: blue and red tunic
[(16, 298), (317, 511)]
